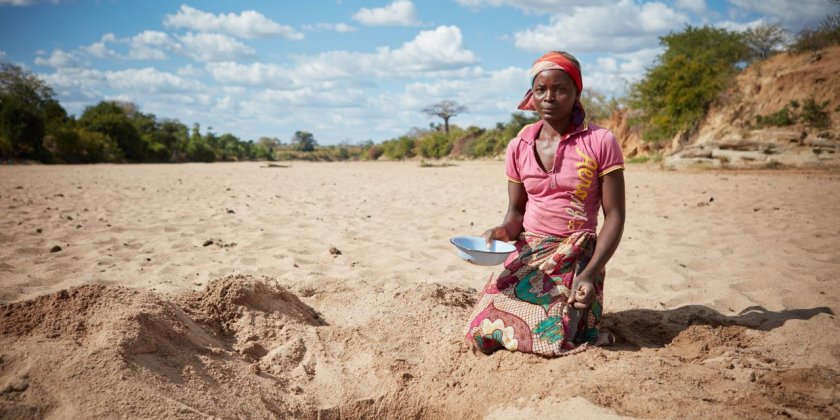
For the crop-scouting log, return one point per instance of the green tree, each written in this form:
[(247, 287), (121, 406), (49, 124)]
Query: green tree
[(695, 68), (304, 141), (174, 136), (22, 129), (229, 147), (26, 104), (266, 148), (111, 119), (197, 148)]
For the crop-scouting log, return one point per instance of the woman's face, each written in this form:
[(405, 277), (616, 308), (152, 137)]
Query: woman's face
[(554, 96)]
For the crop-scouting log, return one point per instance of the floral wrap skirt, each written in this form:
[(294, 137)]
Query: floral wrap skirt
[(524, 308)]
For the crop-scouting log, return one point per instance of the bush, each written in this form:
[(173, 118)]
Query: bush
[(814, 114), (780, 118), (199, 151), (815, 39), (374, 152), (6, 149), (97, 147), (22, 128), (436, 145), (399, 149)]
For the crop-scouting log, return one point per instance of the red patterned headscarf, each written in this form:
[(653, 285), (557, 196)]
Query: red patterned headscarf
[(551, 61)]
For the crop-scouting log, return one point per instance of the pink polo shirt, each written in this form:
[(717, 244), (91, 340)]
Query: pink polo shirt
[(567, 197)]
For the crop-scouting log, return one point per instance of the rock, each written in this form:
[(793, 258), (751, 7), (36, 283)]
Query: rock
[(207, 242), (696, 153), (55, 248), (334, 251), (19, 385)]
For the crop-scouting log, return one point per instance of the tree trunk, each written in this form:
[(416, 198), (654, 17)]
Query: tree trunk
[(446, 126)]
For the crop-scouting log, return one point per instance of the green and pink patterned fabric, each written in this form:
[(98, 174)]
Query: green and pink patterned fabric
[(524, 308)]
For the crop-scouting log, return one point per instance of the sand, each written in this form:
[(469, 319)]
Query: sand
[(329, 290)]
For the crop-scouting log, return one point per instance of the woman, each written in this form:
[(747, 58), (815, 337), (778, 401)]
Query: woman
[(561, 170)]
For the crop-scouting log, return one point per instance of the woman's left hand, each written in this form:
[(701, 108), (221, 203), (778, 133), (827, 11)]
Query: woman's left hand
[(583, 291)]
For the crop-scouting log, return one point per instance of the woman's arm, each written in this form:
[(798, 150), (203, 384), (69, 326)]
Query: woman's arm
[(612, 201), (511, 227)]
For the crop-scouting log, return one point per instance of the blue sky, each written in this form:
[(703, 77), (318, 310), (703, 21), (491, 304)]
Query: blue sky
[(347, 71)]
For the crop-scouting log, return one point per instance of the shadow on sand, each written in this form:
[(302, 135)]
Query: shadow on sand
[(638, 328)]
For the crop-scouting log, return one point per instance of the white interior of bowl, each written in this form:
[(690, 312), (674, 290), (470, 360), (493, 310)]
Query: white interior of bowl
[(478, 244)]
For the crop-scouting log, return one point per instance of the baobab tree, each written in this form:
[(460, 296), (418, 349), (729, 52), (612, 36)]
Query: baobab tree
[(446, 110)]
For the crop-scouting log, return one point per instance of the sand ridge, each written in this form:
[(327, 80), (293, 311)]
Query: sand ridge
[(722, 295)]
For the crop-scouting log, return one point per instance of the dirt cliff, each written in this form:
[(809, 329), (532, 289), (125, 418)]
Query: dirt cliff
[(777, 92)]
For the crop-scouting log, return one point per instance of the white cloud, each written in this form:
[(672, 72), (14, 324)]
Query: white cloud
[(154, 45), (148, 80), (696, 6), (612, 75), (150, 45), (398, 13), (73, 78), (505, 87), (256, 74), (249, 24), (490, 98), (2, 54), (630, 26), (739, 26), (145, 80), (337, 27), (59, 59), (433, 53), (189, 71), (213, 47), (429, 53), (791, 13), (325, 95), (539, 6), (100, 48)]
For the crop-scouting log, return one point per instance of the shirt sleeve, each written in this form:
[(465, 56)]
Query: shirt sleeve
[(611, 158), (512, 161)]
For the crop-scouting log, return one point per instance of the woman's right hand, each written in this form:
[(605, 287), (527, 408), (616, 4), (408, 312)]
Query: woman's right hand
[(498, 233)]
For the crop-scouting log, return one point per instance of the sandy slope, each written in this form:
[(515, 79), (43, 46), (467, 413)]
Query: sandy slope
[(722, 293)]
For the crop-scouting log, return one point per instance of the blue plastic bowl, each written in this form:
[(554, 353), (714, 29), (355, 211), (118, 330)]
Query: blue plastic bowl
[(474, 249)]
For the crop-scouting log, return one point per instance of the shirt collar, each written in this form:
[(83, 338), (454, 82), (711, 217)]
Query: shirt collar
[(529, 133)]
